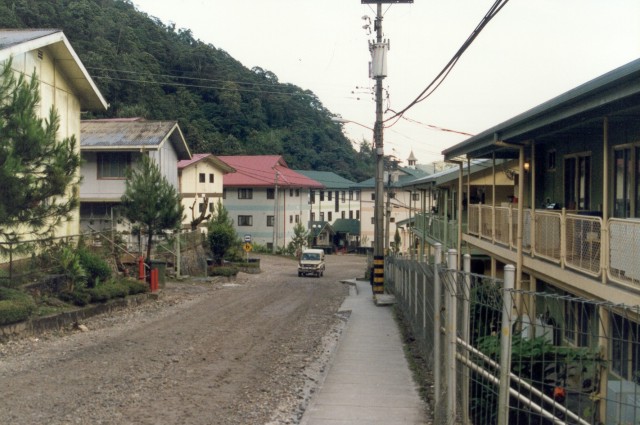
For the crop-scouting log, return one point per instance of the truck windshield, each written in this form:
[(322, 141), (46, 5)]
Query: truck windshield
[(308, 256)]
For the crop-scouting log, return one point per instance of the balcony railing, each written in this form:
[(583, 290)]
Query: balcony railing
[(571, 240)]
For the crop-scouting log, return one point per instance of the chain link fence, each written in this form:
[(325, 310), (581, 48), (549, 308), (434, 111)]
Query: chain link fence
[(504, 356)]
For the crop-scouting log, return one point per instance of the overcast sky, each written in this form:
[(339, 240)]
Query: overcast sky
[(532, 51)]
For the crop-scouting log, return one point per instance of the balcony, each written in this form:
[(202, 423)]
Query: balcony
[(572, 240)]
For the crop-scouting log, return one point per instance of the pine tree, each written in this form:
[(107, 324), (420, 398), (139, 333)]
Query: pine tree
[(38, 173), (151, 201), (222, 236)]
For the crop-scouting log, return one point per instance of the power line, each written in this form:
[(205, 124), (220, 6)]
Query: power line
[(437, 81)]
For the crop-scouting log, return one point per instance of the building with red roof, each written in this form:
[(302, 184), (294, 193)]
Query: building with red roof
[(265, 198), (200, 180)]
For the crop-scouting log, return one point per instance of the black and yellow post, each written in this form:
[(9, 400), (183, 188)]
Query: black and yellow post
[(378, 274)]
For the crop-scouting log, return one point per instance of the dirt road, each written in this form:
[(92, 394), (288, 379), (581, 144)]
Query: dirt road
[(248, 352)]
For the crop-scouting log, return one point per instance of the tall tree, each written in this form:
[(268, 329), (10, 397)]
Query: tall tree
[(151, 201), (38, 173)]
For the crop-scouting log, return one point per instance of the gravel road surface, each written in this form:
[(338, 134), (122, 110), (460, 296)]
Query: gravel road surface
[(250, 351)]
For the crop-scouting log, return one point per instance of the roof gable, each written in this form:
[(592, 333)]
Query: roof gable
[(55, 43), (205, 157)]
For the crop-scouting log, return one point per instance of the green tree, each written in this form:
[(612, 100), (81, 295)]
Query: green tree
[(300, 238), (151, 201), (38, 173), (222, 235), (396, 242)]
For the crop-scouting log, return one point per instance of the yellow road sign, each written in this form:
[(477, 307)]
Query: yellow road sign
[(247, 247)]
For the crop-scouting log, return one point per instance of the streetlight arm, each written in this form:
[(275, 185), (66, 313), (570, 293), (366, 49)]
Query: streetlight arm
[(345, 121)]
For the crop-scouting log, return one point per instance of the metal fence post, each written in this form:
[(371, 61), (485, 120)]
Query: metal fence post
[(437, 311), (466, 301), (451, 335), (505, 344)]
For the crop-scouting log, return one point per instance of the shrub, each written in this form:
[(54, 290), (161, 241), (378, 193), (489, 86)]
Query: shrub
[(223, 271), (97, 269), (136, 286), (99, 294), (79, 297), (15, 306), (117, 289)]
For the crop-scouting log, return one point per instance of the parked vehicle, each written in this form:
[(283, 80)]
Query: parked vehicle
[(311, 262)]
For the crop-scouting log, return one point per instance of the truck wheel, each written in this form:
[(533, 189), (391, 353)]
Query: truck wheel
[(299, 274)]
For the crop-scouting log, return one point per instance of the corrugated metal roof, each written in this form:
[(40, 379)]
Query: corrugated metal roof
[(12, 37), (110, 135), (261, 171), (329, 179)]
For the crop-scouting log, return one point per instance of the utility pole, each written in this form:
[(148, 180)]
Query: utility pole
[(275, 218), (378, 71)]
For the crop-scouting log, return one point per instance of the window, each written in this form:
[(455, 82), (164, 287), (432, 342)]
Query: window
[(321, 195), (351, 195), (291, 193), (626, 182), (551, 160), (290, 219), (351, 214), (211, 178), (245, 220), (343, 196), (357, 193), (342, 214), (373, 196), (392, 219), (297, 192), (329, 195), (270, 221), (313, 217), (357, 214), (245, 193), (577, 182), (312, 197), (415, 196), (210, 206), (224, 193), (202, 177), (329, 215), (322, 216), (271, 193), (625, 348), (201, 207), (577, 316), (297, 218), (113, 165)]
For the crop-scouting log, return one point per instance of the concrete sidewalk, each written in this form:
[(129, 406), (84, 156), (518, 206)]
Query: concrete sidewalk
[(368, 381)]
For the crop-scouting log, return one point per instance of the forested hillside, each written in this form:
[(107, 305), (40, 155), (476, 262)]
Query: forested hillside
[(146, 68)]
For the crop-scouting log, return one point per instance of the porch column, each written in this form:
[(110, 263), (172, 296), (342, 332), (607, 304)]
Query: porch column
[(604, 231), (520, 218), (459, 242)]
